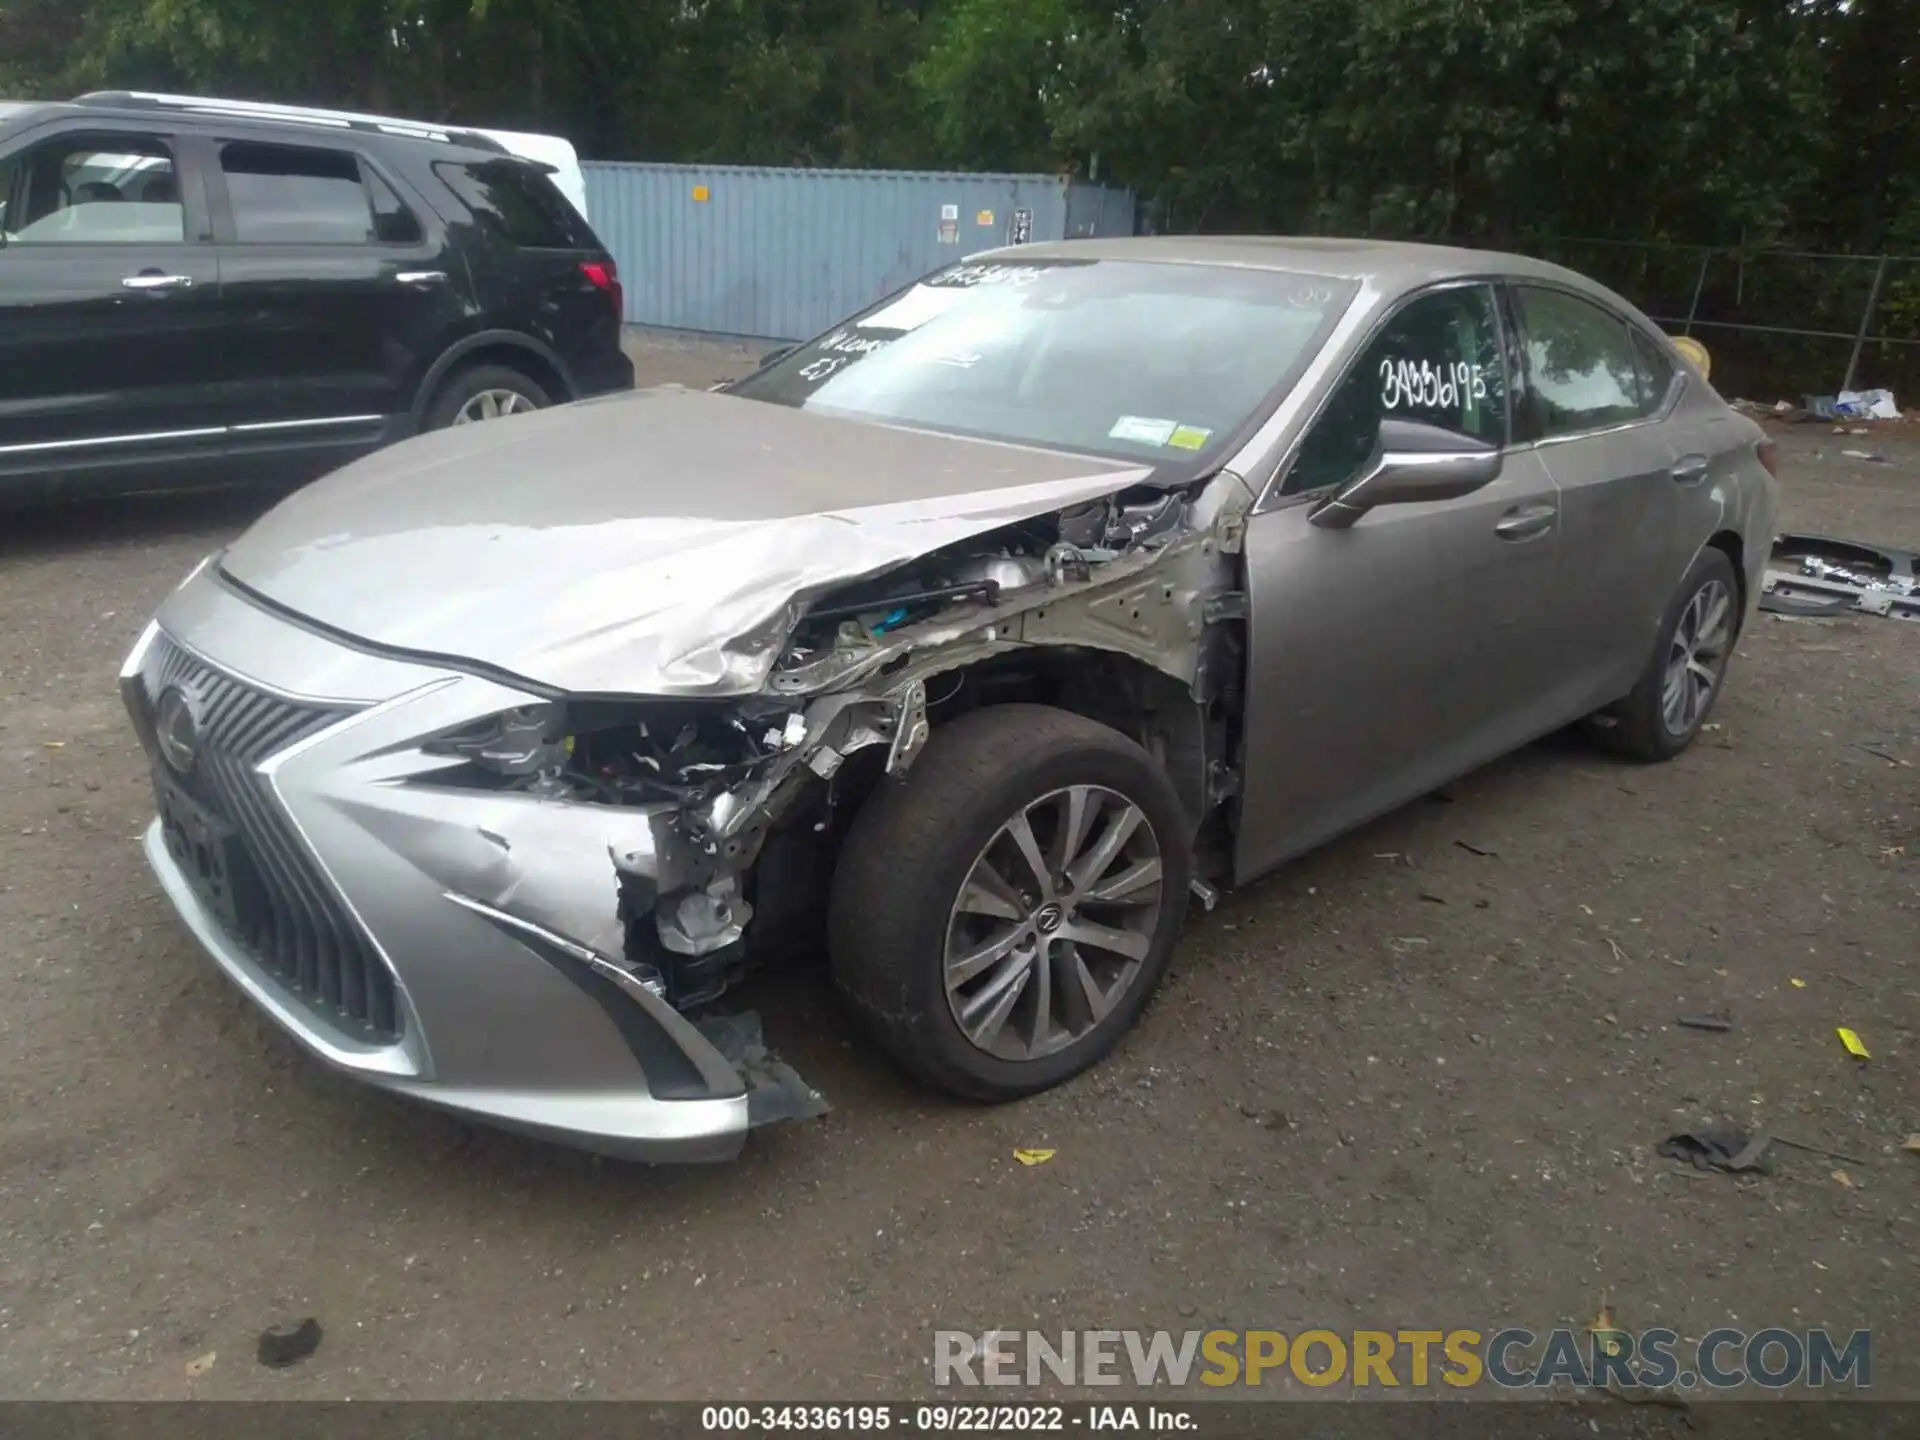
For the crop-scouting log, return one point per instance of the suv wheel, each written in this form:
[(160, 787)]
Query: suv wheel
[(1002, 915), (484, 392)]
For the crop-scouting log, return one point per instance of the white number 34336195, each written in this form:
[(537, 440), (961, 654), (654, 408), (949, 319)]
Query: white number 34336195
[(1423, 385)]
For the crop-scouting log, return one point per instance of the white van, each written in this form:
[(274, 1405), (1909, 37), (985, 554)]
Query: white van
[(555, 153)]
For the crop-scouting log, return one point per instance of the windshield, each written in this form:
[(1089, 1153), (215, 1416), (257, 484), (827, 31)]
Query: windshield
[(1131, 359)]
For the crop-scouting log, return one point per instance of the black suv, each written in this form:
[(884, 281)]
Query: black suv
[(191, 294)]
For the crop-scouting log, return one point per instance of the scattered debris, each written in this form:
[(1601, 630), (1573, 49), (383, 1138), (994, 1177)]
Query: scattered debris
[(1873, 455), (1034, 1157), (1853, 1043), (1608, 1336), (200, 1364), (1912, 1147), (1733, 1151), (1817, 575), (1798, 983), (1880, 753), (284, 1345), (1472, 849), (1818, 1150), (1843, 1180), (1867, 404), (1431, 898), (1853, 405), (1716, 1023)]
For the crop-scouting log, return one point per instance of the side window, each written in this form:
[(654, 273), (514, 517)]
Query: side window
[(1656, 373), (93, 190), (393, 223), (1581, 372), (1437, 360), (290, 195), (519, 204)]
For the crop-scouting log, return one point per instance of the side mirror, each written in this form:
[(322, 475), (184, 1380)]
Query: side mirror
[(773, 357), (1412, 462)]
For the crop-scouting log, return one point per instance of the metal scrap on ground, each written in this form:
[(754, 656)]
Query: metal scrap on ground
[(1821, 575)]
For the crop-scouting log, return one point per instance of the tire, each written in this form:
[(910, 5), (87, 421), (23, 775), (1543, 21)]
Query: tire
[(1641, 727), (465, 386), (913, 849)]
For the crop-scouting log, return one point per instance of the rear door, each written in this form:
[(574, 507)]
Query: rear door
[(338, 286), (1387, 658), (1594, 410), (109, 302)]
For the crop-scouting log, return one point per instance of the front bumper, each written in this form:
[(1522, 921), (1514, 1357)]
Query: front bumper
[(462, 947)]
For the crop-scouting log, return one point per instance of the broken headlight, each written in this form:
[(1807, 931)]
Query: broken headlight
[(521, 743), (617, 752)]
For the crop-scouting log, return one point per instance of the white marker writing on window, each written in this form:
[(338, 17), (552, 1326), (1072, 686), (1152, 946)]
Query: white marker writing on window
[(1422, 385)]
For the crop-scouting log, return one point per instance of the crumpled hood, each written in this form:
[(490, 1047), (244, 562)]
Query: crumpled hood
[(646, 543)]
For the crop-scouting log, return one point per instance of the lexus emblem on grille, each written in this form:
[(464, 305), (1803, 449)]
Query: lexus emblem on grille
[(175, 730)]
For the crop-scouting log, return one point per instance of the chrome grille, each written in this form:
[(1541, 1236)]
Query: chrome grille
[(279, 907)]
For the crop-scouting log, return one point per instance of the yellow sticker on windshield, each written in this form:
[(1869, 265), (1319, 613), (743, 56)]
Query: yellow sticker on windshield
[(1189, 437)]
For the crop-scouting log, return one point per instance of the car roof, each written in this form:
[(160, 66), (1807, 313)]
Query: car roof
[(1389, 264), (13, 111), (149, 110)]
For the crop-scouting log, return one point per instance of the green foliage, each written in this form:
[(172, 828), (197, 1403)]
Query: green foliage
[(1509, 121)]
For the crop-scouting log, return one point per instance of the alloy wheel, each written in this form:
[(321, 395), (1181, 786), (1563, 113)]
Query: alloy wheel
[(492, 405), (1053, 923), (1697, 658)]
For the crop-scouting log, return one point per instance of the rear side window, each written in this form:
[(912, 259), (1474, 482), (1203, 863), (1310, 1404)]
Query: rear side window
[(283, 194), (518, 204), (393, 223), (1581, 371), (1656, 373)]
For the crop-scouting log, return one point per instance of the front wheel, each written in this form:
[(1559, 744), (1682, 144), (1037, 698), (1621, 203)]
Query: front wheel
[(1001, 916), (1676, 693)]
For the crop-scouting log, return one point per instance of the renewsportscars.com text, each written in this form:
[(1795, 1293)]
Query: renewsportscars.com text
[(1512, 1358)]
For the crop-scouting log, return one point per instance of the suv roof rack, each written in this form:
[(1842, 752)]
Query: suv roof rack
[(290, 114)]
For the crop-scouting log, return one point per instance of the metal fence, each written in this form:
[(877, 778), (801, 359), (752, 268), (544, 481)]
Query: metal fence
[(1780, 324), (781, 254)]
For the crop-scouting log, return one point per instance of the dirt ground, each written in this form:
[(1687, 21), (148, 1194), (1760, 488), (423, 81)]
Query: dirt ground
[(1415, 1080)]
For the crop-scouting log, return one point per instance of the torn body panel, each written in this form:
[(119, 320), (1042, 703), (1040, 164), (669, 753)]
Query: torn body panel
[(1147, 584)]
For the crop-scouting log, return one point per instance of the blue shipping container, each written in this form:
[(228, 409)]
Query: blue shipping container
[(783, 254)]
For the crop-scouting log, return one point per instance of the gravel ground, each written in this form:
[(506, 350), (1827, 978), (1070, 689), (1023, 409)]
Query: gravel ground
[(1403, 1083)]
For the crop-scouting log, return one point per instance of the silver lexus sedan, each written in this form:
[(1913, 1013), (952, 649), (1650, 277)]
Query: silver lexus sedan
[(970, 642)]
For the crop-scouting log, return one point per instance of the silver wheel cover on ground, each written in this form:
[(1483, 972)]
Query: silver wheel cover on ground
[(492, 405), (1053, 923), (1697, 658)]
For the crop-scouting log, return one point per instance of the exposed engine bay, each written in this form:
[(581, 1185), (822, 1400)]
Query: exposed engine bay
[(1121, 609)]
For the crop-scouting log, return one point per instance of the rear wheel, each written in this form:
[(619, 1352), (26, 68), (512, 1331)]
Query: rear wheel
[(1002, 915), (1676, 693), (484, 392)]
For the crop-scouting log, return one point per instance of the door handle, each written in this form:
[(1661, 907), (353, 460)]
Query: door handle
[(421, 277), (1690, 469), (1526, 522), (152, 280)]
